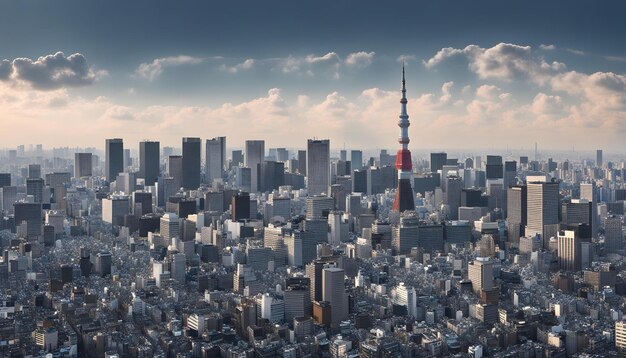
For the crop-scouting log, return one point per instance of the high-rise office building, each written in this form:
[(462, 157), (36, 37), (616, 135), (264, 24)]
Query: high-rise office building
[(437, 161), (406, 296), (175, 170), (215, 159), (494, 168), (516, 212), (480, 272), (191, 163), (613, 233), (114, 158), (254, 154), (319, 206), (590, 192), (356, 160), (31, 214), (83, 163), (282, 155), (599, 160), (270, 176), (569, 250), (240, 208), (243, 179), (103, 263), (620, 336), (452, 195), (334, 292), (404, 192), (34, 171), (149, 161), (5, 179), (8, 196), (237, 158), (302, 162), (542, 210), (318, 166), (170, 226), (35, 187)]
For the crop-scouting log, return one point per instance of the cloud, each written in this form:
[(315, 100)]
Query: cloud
[(6, 68), (154, 69), (503, 61), (547, 47), (575, 51), (50, 72), (245, 65), (331, 56), (359, 59)]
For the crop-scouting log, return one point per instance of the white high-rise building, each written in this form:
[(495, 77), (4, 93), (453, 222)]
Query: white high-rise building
[(406, 296), (170, 226)]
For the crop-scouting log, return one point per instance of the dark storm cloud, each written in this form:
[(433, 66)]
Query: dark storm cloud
[(50, 72)]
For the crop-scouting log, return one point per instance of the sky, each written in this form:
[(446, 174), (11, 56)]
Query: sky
[(480, 74)]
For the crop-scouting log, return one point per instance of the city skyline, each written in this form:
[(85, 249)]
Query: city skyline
[(561, 88)]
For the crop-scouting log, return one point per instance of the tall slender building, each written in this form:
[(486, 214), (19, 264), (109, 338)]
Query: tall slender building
[(149, 162), (82, 165), (215, 159), (254, 155), (404, 192), (318, 166), (114, 158), (191, 163)]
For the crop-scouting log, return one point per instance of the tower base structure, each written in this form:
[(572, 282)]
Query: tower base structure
[(404, 196)]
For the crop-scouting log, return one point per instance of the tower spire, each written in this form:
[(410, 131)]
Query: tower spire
[(404, 193)]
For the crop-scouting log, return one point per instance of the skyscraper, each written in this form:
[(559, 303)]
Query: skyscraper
[(302, 162), (516, 212), (34, 171), (599, 160), (613, 233), (542, 210), (334, 292), (237, 158), (404, 192), (356, 159), (114, 158), (254, 154), (480, 272), (83, 165), (175, 170), (318, 166), (215, 159), (191, 163), (569, 251), (437, 161), (149, 161), (5, 179)]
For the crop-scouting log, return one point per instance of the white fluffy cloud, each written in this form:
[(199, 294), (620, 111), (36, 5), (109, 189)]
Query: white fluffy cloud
[(569, 98), (360, 59), (154, 69), (50, 72), (503, 61)]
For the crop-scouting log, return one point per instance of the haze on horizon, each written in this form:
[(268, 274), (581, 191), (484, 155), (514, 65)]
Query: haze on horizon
[(482, 75)]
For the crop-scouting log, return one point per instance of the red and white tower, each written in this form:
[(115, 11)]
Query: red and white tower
[(404, 192)]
